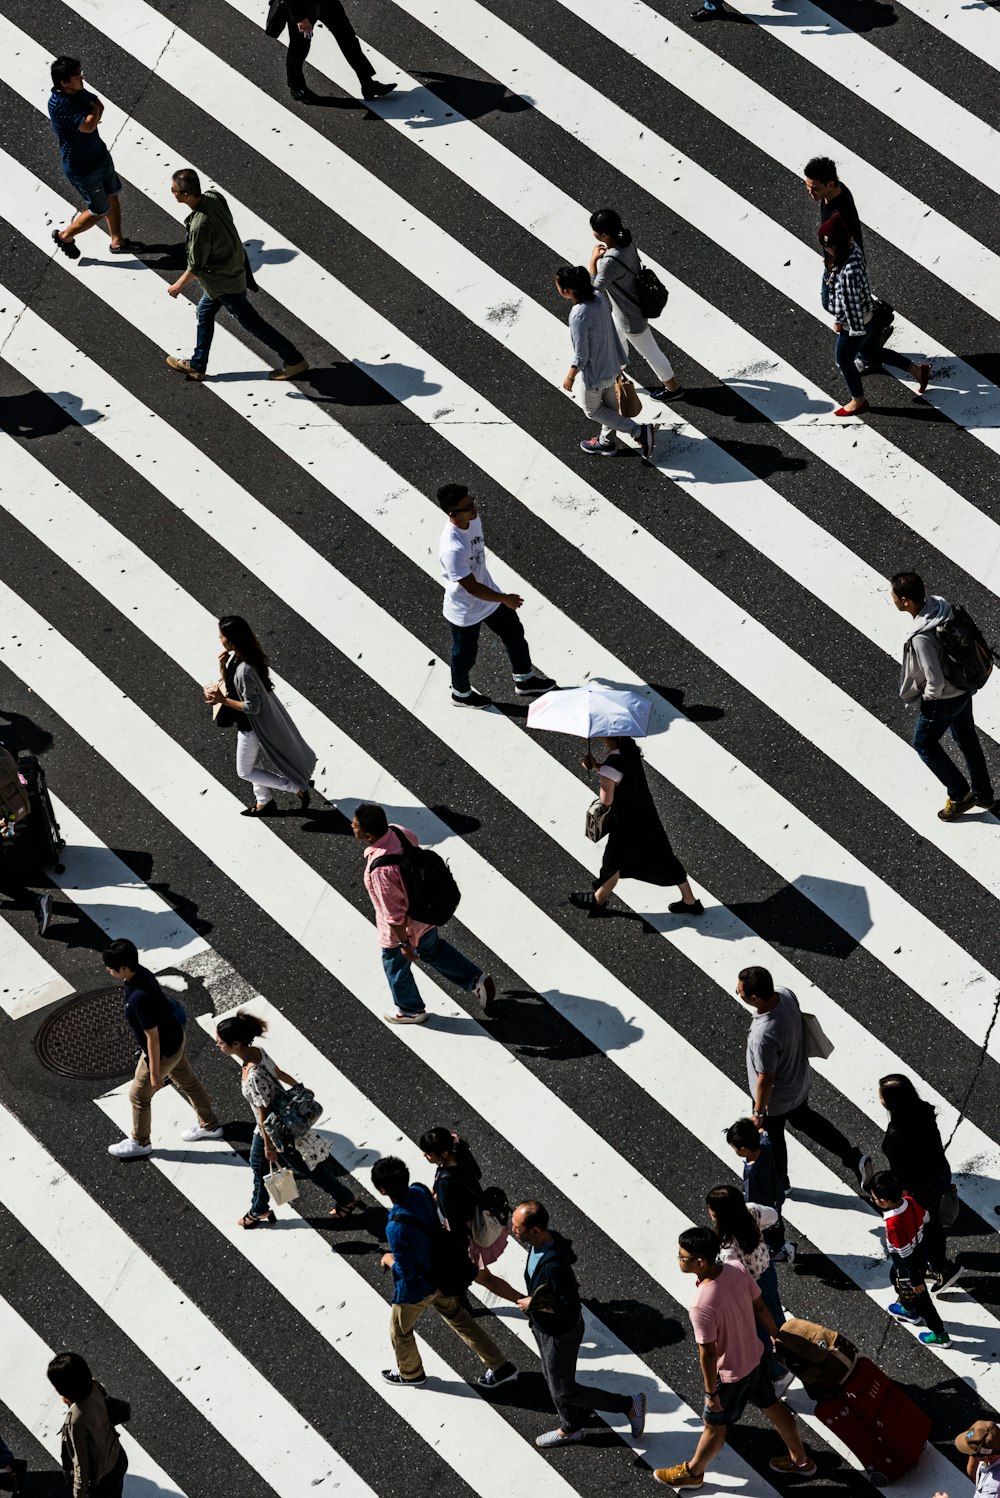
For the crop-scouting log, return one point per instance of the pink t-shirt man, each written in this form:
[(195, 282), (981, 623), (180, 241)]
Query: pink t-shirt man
[(722, 1312), (387, 891)]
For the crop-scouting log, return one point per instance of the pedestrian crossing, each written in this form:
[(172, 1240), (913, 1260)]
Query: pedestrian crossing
[(741, 584)]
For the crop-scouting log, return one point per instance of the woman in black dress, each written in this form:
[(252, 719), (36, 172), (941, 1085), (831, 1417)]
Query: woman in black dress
[(637, 845), (913, 1148)]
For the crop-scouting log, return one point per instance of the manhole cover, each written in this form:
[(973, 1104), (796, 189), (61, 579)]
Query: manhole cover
[(88, 1037)]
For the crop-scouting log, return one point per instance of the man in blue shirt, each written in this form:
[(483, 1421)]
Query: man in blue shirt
[(75, 115)]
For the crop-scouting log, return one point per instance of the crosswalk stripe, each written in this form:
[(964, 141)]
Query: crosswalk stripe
[(108, 1266), (33, 1400), (27, 982), (974, 26)]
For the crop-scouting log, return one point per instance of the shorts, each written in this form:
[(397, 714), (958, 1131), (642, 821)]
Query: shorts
[(756, 1389), (97, 187)]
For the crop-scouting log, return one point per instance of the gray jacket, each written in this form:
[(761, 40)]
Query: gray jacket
[(921, 675), (279, 738), (597, 349), (617, 274)]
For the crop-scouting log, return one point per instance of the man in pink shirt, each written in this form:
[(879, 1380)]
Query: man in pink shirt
[(403, 940), (726, 1307)]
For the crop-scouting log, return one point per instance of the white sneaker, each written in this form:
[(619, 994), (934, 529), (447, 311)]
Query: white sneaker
[(129, 1149), (396, 1017), (191, 1136), (485, 990)]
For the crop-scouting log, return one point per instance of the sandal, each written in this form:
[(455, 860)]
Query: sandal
[(345, 1211), (68, 246), (250, 1221), (269, 809), (588, 901)]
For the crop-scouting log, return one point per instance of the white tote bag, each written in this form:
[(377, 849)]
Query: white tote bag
[(282, 1186), (816, 1041), (485, 1228)]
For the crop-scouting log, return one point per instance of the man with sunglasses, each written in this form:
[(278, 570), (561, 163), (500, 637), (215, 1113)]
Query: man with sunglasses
[(472, 598)]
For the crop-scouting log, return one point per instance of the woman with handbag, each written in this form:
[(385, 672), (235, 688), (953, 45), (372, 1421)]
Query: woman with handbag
[(92, 1455), (852, 305), (261, 1083), (614, 269), (245, 697), (913, 1148), (598, 359), (463, 1206), (637, 846)]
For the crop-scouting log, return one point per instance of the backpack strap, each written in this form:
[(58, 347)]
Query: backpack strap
[(392, 860)]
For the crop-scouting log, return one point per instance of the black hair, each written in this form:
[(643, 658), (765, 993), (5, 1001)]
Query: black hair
[(743, 1135), (240, 1028), (886, 1185), (372, 819), (700, 1243), (390, 1174), (438, 1141), (909, 585), (608, 221), (69, 1374), (821, 169), (121, 953), (733, 1222), (449, 496), (188, 181), (63, 69), (247, 646), (576, 278), (535, 1215), (757, 983)]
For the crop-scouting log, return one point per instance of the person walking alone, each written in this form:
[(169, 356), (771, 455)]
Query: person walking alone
[(598, 360), (75, 114), (262, 722), (637, 846), (943, 706), (614, 269), (216, 258), (159, 1033), (92, 1455), (555, 1315), (301, 18), (404, 940), (852, 304), (472, 599), (779, 1075)]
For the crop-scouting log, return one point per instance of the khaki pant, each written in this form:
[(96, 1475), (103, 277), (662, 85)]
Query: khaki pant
[(179, 1069), (405, 1317)]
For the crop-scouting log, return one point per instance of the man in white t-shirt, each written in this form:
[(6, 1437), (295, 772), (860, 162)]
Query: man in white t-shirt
[(472, 598), (981, 1444)]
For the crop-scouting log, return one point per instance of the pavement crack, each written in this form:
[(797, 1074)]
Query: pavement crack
[(974, 1080)]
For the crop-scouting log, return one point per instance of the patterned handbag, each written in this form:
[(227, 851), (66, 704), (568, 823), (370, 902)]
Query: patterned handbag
[(294, 1110), (598, 823)]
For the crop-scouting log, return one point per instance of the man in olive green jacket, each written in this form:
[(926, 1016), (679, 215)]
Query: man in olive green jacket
[(216, 258)]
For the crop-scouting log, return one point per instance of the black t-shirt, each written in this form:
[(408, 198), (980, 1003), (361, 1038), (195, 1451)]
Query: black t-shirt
[(146, 1008), (843, 204)]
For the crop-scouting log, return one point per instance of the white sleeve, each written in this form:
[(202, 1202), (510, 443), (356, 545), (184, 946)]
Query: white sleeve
[(765, 1217), (610, 773), (455, 562)]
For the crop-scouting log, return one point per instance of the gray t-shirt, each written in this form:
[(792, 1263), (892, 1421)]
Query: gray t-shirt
[(775, 1044)]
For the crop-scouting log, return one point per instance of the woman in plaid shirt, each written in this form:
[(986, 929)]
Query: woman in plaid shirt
[(851, 303)]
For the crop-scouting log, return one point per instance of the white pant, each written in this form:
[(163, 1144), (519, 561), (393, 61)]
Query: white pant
[(602, 405), (645, 344), (247, 754)]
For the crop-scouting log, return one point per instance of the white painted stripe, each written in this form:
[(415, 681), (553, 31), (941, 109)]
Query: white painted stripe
[(31, 1398), (27, 982), (108, 1266), (972, 24), (545, 1130)]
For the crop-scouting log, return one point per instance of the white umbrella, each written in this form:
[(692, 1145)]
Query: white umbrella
[(593, 711)]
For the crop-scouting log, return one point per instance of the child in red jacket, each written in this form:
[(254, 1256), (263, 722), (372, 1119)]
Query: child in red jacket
[(904, 1234)]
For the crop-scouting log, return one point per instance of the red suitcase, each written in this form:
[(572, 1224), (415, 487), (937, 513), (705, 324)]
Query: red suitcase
[(878, 1422)]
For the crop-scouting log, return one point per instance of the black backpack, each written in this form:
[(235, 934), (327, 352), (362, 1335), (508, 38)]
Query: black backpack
[(651, 292), (432, 895), (452, 1269), (966, 659)]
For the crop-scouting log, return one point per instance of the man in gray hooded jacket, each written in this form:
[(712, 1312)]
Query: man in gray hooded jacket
[(943, 706)]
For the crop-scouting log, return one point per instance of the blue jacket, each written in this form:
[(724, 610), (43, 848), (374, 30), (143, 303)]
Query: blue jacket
[(411, 1247), (553, 1280)]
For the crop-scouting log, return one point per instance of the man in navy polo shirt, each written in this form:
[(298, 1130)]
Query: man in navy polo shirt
[(75, 115)]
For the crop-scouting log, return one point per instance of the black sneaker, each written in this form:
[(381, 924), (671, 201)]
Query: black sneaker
[(494, 1377), (945, 1280), (681, 907), (534, 686), (664, 396), (392, 1377), (69, 247), (376, 90), (474, 699)]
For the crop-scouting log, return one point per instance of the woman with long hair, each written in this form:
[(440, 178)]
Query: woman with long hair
[(260, 1084), (913, 1148), (458, 1191), (637, 845), (852, 304), (739, 1226), (614, 269), (598, 359), (262, 722)]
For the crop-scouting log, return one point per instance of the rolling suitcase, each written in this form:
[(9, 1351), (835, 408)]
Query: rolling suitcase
[(821, 1359), (34, 842), (878, 1422)]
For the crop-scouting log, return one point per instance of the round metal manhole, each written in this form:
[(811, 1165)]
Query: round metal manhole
[(88, 1037)]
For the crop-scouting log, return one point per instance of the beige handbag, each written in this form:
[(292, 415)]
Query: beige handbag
[(282, 1186), (629, 403), (817, 1043)]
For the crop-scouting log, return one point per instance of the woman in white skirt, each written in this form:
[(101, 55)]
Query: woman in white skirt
[(262, 722), (598, 357), (614, 269)]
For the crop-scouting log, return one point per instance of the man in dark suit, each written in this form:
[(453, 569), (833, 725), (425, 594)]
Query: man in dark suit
[(301, 16)]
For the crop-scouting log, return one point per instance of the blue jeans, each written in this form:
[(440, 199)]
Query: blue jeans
[(98, 187), (768, 1286), (863, 346), (439, 954), (324, 1175), (238, 303), (465, 647), (934, 720)]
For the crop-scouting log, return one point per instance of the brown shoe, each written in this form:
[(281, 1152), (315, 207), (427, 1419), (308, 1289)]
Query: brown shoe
[(952, 810), (183, 366), (289, 371)]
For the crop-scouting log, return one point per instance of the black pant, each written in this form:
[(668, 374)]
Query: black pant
[(111, 1486), (334, 18), (465, 646), (935, 1238), (575, 1404), (805, 1120), (914, 1296)]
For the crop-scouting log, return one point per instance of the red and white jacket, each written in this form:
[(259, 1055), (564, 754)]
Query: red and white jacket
[(904, 1227)]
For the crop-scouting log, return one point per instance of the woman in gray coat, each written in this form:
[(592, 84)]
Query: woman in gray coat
[(262, 722)]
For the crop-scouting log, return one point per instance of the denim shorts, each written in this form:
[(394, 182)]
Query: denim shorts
[(756, 1389), (97, 187)]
